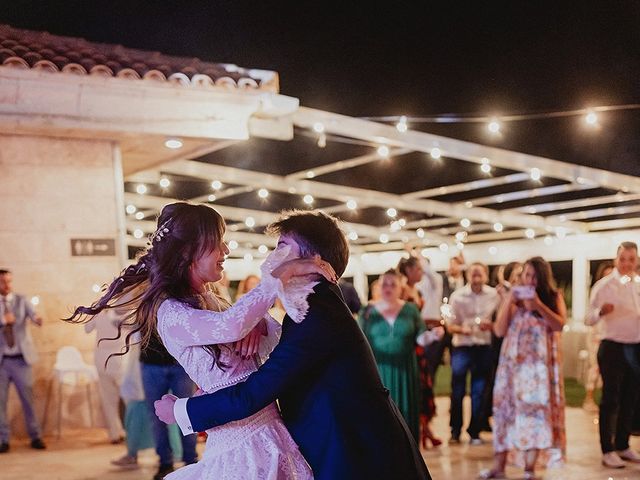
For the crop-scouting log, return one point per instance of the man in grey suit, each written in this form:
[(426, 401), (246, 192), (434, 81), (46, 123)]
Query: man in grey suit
[(17, 354)]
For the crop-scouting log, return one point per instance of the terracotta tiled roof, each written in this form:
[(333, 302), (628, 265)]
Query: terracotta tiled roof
[(43, 51)]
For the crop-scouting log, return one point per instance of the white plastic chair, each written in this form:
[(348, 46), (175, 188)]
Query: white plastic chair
[(70, 369)]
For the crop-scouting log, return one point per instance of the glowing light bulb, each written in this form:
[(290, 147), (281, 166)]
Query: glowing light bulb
[(263, 193), (465, 223), (383, 151), (250, 222), (352, 204), (352, 235), (311, 174), (164, 182), (322, 140), (139, 215), (392, 212), (232, 245), (486, 166), (308, 199), (212, 198), (262, 249), (420, 233), (137, 233), (401, 126), (443, 247), (131, 209), (494, 126), (384, 238), (216, 184), (498, 227), (173, 143), (530, 233), (435, 153), (35, 300), (591, 118), (95, 287), (536, 174), (493, 250), (318, 127), (141, 189)]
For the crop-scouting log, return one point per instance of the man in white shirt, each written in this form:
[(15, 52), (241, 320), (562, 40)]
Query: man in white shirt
[(615, 302), (17, 354), (472, 308)]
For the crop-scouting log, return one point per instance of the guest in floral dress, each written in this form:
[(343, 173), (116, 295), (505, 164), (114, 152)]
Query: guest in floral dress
[(528, 397)]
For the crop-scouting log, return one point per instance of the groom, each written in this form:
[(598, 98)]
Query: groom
[(323, 374)]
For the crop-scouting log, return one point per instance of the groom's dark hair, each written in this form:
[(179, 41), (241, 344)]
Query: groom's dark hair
[(315, 232)]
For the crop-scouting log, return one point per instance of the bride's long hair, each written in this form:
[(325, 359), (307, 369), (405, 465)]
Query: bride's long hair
[(185, 232)]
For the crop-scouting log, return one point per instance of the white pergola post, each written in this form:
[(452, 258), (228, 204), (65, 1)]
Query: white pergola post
[(580, 287)]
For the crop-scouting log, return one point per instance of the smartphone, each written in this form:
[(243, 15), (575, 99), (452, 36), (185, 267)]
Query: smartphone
[(524, 292)]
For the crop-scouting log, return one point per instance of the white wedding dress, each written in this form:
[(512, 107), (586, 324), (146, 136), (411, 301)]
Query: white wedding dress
[(258, 447)]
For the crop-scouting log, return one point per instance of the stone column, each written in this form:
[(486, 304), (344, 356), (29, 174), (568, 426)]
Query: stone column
[(53, 190)]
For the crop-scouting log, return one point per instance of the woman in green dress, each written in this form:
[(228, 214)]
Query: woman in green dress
[(393, 327)]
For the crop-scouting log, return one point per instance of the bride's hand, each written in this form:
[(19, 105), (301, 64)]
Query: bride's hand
[(249, 345), (304, 266)]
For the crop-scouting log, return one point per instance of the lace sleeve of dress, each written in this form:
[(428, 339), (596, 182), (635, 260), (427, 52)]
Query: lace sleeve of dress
[(185, 326), (294, 295), (271, 339)]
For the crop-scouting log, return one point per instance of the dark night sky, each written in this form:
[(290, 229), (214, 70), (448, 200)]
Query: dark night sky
[(420, 58)]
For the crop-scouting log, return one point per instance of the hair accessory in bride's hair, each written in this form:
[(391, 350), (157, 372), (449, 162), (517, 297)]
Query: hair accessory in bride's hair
[(162, 230)]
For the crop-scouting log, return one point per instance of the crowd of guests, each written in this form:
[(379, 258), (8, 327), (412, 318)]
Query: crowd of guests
[(503, 341)]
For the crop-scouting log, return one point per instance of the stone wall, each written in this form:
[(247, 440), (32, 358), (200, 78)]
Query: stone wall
[(53, 190)]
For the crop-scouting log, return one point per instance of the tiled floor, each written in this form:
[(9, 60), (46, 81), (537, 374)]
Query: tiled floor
[(85, 455)]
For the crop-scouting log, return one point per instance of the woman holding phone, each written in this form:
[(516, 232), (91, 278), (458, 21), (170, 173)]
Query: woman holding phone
[(528, 397)]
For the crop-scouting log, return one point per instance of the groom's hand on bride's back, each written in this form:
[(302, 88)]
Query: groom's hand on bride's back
[(164, 408)]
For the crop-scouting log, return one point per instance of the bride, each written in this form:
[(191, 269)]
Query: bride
[(170, 293)]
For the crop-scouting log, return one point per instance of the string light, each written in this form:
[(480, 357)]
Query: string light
[(137, 233), (139, 215), (536, 174), (216, 184), (465, 223), (530, 233), (494, 126), (395, 226), (211, 198), (262, 249), (498, 227), (318, 127), (392, 212), (35, 300), (591, 118), (250, 222), (486, 166), (401, 126), (131, 209), (308, 199), (493, 250), (443, 247), (420, 233), (141, 189), (383, 151), (263, 193), (310, 174), (402, 222), (352, 204), (384, 238), (435, 153), (232, 245), (96, 288), (164, 182), (352, 235)]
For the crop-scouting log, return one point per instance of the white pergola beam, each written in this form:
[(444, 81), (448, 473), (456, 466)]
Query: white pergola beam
[(532, 193), (468, 186), (378, 133), (364, 196), (581, 203)]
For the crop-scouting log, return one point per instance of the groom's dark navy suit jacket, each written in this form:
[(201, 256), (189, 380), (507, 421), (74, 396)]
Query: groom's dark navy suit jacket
[(331, 397)]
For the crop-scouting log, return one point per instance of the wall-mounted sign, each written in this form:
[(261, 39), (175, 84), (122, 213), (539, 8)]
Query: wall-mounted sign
[(93, 247)]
